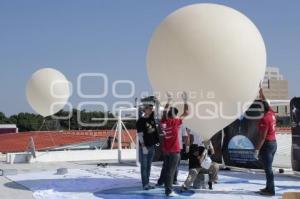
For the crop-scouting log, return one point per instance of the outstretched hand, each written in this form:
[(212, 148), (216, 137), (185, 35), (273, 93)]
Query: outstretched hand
[(169, 97), (260, 84), (184, 96), (145, 150), (260, 90)]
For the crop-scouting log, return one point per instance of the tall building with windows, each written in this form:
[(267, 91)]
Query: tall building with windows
[(276, 88), (271, 73)]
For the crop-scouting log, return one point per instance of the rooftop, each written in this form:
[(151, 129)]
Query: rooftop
[(6, 126), (43, 140), (87, 180)]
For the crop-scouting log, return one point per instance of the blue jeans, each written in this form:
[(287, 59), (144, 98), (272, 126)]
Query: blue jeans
[(146, 161), (267, 153)]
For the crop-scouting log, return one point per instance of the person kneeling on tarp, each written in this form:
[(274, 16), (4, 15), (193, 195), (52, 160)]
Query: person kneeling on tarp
[(196, 156), (212, 171)]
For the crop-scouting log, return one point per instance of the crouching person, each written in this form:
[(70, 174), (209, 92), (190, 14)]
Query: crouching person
[(212, 171), (212, 174), (195, 159)]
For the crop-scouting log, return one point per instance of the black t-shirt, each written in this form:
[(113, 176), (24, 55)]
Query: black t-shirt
[(148, 127)]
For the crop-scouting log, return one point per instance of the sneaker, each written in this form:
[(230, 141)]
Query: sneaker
[(147, 187), (266, 193), (183, 189), (263, 190), (172, 194), (151, 187)]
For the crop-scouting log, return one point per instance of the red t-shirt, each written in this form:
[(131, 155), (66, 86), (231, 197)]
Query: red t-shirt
[(268, 123), (170, 128)]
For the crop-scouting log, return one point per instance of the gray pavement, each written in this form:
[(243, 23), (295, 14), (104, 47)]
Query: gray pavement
[(12, 190)]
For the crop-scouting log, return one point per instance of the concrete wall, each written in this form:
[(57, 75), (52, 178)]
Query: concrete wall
[(81, 155), (13, 158)]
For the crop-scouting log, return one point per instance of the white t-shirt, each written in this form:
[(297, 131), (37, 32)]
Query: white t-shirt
[(182, 132), (197, 138)]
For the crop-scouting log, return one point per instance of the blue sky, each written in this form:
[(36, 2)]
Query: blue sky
[(107, 36)]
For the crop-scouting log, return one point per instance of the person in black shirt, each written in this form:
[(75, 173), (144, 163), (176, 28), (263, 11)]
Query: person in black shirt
[(148, 138)]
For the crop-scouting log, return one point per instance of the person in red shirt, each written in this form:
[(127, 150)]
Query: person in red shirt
[(170, 124), (266, 146)]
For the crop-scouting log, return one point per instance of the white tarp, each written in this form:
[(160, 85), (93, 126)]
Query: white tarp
[(115, 182)]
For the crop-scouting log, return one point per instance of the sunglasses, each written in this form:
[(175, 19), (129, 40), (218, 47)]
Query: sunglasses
[(148, 107)]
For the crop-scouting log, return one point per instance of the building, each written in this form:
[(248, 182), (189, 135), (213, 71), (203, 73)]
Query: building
[(62, 140), (8, 128), (276, 88), (271, 73)]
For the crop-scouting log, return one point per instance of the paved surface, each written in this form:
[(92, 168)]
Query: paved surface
[(12, 190), (17, 191)]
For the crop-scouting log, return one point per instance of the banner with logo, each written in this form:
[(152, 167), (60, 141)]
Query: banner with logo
[(295, 117), (239, 141)]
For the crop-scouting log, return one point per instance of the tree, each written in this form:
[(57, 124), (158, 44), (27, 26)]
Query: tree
[(3, 118), (27, 121), (33, 122)]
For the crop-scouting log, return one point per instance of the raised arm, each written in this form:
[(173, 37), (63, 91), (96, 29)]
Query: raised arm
[(261, 93), (187, 140), (166, 108), (157, 108), (211, 148), (185, 106)]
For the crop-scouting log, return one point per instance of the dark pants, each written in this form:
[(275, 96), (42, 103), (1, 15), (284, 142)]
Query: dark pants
[(171, 162), (146, 161), (176, 172), (267, 153), (161, 179)]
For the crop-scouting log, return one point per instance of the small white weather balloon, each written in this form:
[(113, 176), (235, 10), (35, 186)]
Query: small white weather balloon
[(48, 91)]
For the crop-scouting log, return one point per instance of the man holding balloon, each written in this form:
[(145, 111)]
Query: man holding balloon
[(266, 146), (170, 124)]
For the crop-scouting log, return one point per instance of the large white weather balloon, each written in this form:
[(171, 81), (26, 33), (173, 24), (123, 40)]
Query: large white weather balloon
[(47, 91), (214, 53)]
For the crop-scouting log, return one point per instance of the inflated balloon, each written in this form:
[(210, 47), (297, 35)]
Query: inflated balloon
[(214, 53), (47, 91)]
